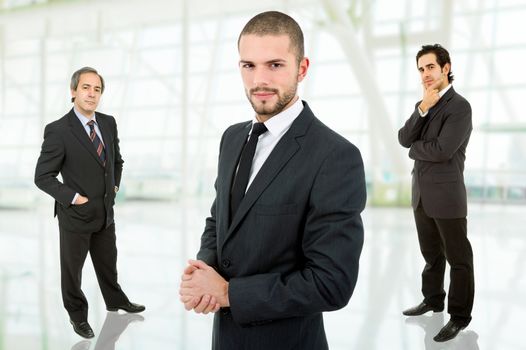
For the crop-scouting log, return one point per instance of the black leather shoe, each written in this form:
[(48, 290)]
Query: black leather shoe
[(421, 309), (449, 331), (132, 308), (83, 329)]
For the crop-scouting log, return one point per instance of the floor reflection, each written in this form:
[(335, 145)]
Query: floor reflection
[(431, 325), (114, 325), (32, 316)]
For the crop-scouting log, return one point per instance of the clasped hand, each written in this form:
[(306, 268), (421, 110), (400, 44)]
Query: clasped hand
[(202, 288)]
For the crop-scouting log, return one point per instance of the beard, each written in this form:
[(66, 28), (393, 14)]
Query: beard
[(266, 108)]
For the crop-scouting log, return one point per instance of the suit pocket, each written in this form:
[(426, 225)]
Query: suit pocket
[(286, 209), (445, 177), (85, 212)]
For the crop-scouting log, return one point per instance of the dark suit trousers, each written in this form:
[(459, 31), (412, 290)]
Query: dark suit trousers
[(74, 248), (441, 240)]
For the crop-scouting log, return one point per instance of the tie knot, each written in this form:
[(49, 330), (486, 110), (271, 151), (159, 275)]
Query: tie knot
[(91, 123), (258, 129)]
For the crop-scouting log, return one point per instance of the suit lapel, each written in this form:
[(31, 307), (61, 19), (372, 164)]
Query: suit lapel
[(286, 148), (435, 110), (107, 138), (229, 159), (80, 133)]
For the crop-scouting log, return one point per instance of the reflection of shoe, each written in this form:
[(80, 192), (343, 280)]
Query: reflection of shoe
[(83, 329), (81, 345), (133, 318), (129, 307), (421, 321), (421, 309), (467, 340), (449, 331), (114, 325), (470, 335), (113, 317)]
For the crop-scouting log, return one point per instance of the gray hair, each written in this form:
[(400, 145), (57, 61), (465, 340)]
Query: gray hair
[(76, 77)]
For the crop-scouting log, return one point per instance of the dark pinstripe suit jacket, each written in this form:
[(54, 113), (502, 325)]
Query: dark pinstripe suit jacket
[(68, 150), (293, 247), (438, 144)]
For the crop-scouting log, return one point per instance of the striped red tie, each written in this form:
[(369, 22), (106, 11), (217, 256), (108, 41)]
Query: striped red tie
[(99, 146)]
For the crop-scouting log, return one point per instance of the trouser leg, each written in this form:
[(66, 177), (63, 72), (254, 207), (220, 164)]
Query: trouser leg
[(459, 255), (432, 249), (73, 250), (103, 252)]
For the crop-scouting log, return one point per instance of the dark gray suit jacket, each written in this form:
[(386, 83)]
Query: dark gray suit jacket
[(293, 247), (68, 150), (438, 144)]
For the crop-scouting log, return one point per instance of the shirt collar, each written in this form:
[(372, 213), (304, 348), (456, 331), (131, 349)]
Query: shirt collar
[(83, 119), (444, 90), (283, 120)]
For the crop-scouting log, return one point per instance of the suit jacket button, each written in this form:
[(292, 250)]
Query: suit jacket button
[(105, 195), (225, 263)]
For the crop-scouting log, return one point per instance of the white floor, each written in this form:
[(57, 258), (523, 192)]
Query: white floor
[(156, 238)]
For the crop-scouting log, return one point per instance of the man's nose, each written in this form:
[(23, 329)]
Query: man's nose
[(260, 77)]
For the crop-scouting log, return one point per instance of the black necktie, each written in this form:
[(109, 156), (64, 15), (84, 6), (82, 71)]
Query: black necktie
[(97, 143), (245, 164)]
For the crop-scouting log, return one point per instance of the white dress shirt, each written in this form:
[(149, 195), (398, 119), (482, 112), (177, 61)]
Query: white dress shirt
[(84, 121), (277, 126)]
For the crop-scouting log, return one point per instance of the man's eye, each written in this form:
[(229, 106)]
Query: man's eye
[(276, 65), (247, 65)]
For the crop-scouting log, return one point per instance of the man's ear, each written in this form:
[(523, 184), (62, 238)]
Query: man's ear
[(446, 69), (303, 68)]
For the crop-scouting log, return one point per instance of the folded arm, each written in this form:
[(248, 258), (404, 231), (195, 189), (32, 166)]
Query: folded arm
[(454, 132), (412, 128)]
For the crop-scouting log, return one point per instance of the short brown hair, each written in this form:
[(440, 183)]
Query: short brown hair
[(276, 23)]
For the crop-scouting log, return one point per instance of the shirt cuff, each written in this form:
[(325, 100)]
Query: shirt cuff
[(75, 198), (422, 114)]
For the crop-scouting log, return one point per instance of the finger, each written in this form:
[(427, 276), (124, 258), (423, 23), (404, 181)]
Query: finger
[(202, 304), (208, 309), (216, 308), (199, 264), (189, 269), (187, 291), (186, 277), (211, 305), (185, 298), (192, 303)]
